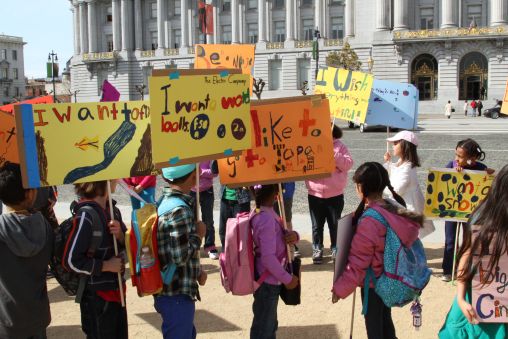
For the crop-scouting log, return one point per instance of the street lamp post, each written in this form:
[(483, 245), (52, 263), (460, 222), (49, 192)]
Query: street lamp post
[(315, 49), (52, 57)]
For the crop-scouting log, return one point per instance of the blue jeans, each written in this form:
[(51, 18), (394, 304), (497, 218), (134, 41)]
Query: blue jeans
[(450, 229), (206, 202), (265, 324), (177, 314), (148, 194)]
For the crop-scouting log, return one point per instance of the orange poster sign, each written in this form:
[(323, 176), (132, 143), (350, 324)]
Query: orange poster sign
[(292, 139), (504, 108), (8, 142), (225, 57)]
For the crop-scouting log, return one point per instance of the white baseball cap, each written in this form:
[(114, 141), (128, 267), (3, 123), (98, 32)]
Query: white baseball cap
[(404, 135)]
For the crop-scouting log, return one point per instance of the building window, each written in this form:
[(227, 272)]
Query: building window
[(153, 10), (303, 72), (253, 4), (14, 55), (307, 2), (226, 6), (109, 14), (337, 27), (226, 34), (15, 75), (178, 8), (474, 13), (5, 73), (153, 39), (3, 54), (109, 42), (275, 74), (278, 4), (308, 29), (424, 75), (177, 38), (279, 32), (427, 18), (252, 30), (16, 91)]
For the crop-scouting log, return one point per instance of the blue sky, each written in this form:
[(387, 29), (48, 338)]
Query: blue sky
[(44, 26)]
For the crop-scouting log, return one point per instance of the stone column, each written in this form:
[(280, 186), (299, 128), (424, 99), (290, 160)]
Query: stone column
[(77, 42), (498, 12), (184, 24), (126, 25), (92, 26), (192, 26), (234, 22), (117, 37), (318, 9), (216, 25), (261, 20), (349, 12), (138, 25), (161, 17), (83, 27), (290, 17), (382, 15), (449, 10), (400, 15)]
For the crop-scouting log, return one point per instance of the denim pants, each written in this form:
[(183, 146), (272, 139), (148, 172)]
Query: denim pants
[(378, 320), (148, 194), (177, 314), (102, 319), (206, 202), (264, 323), (321, 210), (450, 229), (229, 209)]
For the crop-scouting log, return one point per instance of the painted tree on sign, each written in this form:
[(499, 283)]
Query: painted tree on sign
[(346, 58)]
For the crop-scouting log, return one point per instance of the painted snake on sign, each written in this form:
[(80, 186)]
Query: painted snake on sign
[(111, 148)]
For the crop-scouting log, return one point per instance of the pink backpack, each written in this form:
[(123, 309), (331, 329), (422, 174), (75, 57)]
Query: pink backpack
[(237, 260)]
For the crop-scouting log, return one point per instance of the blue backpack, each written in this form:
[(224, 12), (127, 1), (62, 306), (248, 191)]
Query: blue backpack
[(405, 271)]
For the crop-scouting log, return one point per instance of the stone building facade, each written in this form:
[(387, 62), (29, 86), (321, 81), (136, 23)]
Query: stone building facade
[(450, 49), (12, 69)]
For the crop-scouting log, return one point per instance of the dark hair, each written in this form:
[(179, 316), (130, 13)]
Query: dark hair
[(336, 132), (492, 238), (264, 192), (373, 179), (11, 184), (91, 190), (471, 148), (409, 153), (180, 180)]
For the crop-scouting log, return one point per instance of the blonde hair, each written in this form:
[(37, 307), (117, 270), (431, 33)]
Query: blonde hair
[(91, 190)]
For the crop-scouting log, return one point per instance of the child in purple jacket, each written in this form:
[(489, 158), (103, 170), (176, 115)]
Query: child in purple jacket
[(270, 241)]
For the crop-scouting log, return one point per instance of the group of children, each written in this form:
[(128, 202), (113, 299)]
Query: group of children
[(391, 189)]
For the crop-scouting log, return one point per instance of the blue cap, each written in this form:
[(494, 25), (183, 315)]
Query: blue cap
[(176, 172)]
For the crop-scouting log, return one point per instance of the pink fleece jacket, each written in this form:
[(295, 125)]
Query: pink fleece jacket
[(367, 248), (145, 182), (335, 184)]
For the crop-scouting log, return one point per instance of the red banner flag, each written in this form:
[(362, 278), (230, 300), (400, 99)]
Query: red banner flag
[(205, 13)]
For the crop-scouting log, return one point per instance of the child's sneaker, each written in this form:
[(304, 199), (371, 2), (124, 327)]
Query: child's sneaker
[(446, 277), (213, 254), (317, 257), (334, 254)]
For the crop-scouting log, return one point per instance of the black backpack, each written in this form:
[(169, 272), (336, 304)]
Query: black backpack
[(74, 283)]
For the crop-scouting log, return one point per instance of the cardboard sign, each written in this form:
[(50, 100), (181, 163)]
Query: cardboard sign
[(453, 195), (393, 104), (347, 91), (225, 57), (48, 99), (504, 107), (199, 115), (83, 142), (489, 292), (345, 233), (8, 142), (292, 141)]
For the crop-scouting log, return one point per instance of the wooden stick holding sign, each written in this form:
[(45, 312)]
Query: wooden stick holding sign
[(112, 215), (284, 222), (198, 193)]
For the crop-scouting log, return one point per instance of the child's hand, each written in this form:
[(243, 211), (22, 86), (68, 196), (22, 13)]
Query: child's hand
[(335, 298), (201, 229), (387, 156), (116, 229), (202, 278), (468, 311), (459, 168), (291, 237), (490, 171), (293, 283), (138, 189)]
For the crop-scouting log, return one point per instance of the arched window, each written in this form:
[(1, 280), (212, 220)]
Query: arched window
[(424, 75), (473, 76)]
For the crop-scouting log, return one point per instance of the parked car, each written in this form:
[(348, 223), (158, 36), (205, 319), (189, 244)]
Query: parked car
[(493, 112), (366, 127)]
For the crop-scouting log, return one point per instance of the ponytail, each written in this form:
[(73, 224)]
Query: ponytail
[(358, 213), (396, 196)]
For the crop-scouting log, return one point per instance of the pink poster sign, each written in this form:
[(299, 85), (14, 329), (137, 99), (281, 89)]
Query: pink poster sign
[(490, 292)]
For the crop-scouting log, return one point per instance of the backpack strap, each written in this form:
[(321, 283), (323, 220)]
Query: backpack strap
[(166, 205)]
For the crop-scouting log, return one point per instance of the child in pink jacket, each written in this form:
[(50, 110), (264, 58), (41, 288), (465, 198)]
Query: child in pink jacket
[(367, 247), (326, 198)]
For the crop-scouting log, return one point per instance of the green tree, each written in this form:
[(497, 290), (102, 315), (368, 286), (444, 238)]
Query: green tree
[(346, 58)]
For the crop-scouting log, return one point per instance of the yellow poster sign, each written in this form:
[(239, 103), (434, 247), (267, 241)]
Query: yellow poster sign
[(8, 143), (225, 57), (198, 116), (292, 141), (347, 91), (453, 195), (83, 142), (504, 107)]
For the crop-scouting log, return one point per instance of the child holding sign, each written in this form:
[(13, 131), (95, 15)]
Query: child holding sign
[(467, 156), (491, 216), (368, 245)]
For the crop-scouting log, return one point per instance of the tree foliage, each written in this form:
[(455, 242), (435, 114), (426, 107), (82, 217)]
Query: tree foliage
[(346, 58)]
